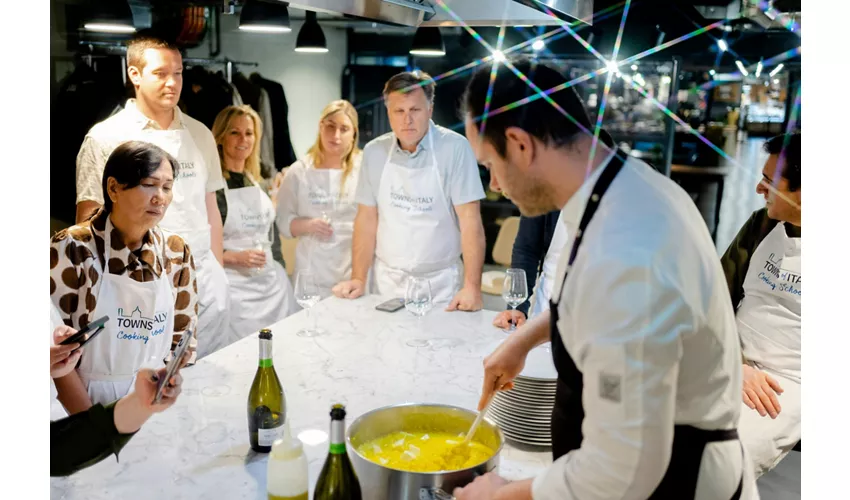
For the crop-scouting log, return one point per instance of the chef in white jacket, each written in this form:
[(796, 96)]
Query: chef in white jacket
[(764, 274), (418, 197), (155, 67), (260, 291), (316, 199), (640, 322)]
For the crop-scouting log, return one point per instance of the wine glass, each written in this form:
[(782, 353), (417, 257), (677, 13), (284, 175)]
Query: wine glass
[(307, 295), (263, 245), (417, 298), (514, 290)]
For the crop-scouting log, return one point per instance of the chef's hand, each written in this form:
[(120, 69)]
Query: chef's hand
[(501, 368), (468, 299), (505, 318), (349, 289), (319, 228), (246, 258), (62, 361), (483, 488), (760, 390)]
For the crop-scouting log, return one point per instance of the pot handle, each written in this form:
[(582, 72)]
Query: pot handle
[(434, 494)]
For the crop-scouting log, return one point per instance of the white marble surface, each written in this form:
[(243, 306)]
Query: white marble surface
[(199, 448)]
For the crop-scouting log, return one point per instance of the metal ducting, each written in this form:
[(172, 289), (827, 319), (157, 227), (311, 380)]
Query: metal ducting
[(471, 12), (741, 11)]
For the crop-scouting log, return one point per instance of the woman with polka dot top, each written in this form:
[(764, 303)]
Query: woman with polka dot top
[(120, 264)]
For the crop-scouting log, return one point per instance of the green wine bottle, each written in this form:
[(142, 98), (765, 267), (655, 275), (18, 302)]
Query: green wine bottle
[(337, 480), (266, 402)]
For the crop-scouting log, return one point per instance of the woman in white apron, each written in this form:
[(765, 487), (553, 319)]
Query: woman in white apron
[(260, 291), (316, 200), (120, 264)]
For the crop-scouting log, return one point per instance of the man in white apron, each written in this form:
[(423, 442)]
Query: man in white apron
[(260, 297), (763, 269), (418, 199), (155, 67)]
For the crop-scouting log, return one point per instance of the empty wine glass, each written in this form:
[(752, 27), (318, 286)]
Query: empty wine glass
[(514, 290), (417, 298), (263, 245), (307, 295)]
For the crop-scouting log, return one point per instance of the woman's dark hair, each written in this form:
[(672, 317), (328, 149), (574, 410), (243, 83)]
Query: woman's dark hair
[(131, 162), (789, 147), (536, 116)]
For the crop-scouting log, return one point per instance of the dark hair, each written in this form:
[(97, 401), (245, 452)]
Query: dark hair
[(537, 116), (131, 162), (788, 146), (409, 81)]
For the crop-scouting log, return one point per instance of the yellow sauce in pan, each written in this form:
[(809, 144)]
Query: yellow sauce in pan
[(424, 452)]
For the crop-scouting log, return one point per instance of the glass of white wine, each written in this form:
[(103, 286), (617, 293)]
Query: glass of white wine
[(307, 295), (514, 290)]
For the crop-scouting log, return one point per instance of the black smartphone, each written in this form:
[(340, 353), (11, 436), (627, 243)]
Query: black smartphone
[(92, 329), (391, 305), (173, 364)]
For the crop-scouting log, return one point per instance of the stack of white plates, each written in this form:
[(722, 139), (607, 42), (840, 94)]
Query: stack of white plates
[(524, 413)]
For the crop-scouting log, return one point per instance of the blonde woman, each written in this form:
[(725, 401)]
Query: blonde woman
[(316, 200), (261, 293)]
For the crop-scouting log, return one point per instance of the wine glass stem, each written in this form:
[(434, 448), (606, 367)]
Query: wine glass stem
[(513, 323)]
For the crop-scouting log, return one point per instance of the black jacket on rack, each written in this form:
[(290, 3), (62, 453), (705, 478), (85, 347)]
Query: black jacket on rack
[(85, 97), (205, 94), (284, 154)]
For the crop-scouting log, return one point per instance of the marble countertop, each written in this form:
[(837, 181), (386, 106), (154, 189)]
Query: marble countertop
[(367, 359)]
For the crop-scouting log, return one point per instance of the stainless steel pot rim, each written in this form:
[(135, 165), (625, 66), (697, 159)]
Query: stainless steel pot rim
[(426, 405)]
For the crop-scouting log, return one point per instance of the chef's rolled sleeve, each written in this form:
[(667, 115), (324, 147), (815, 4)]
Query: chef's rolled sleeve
[(374, 158), (631, 321)]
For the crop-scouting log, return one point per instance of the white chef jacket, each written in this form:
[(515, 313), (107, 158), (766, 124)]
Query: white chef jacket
[(646, 311)]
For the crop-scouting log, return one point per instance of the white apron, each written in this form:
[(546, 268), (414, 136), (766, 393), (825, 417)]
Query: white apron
[(262, 297), (417, 231), (769, 318), (322, 194), (543, 287), (138, 333), (187, 217)]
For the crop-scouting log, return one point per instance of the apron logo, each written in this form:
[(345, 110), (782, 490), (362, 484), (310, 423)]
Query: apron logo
[(136, 321), (417, 204), (609, 387), (187, 169)]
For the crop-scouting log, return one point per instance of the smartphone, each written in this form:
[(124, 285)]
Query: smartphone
[(173, 364), (92, 329), (392, 305)]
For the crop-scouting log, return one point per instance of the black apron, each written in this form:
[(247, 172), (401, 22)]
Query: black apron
[(680, 480)]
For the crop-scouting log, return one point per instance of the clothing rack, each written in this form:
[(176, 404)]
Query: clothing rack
[(227, 63)]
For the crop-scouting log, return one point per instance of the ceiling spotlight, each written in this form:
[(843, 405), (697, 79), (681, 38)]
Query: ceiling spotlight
[(428, 42), (499, 56), (758, 69), (742, 68), (777, 69), (538, 45), (112, 16), (634, 67), (311, 38), (712, 72), (722, 45), (264, 17), (776, 81)]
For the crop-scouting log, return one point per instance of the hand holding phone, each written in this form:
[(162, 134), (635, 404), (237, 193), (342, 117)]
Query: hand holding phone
[(176, 362), (85, 335)]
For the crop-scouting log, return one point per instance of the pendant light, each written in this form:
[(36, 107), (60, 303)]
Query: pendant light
[(264, 17), (428, 42), (310, 36), (111, 16)]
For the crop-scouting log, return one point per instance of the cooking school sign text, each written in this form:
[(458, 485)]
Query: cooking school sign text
[(136, 327)]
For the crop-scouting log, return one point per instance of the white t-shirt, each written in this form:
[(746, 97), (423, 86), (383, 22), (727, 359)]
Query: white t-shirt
[(123, 126), (456, 162)]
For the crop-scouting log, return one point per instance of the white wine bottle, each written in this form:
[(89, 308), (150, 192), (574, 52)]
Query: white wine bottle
[(337, 480), (266, 402)]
